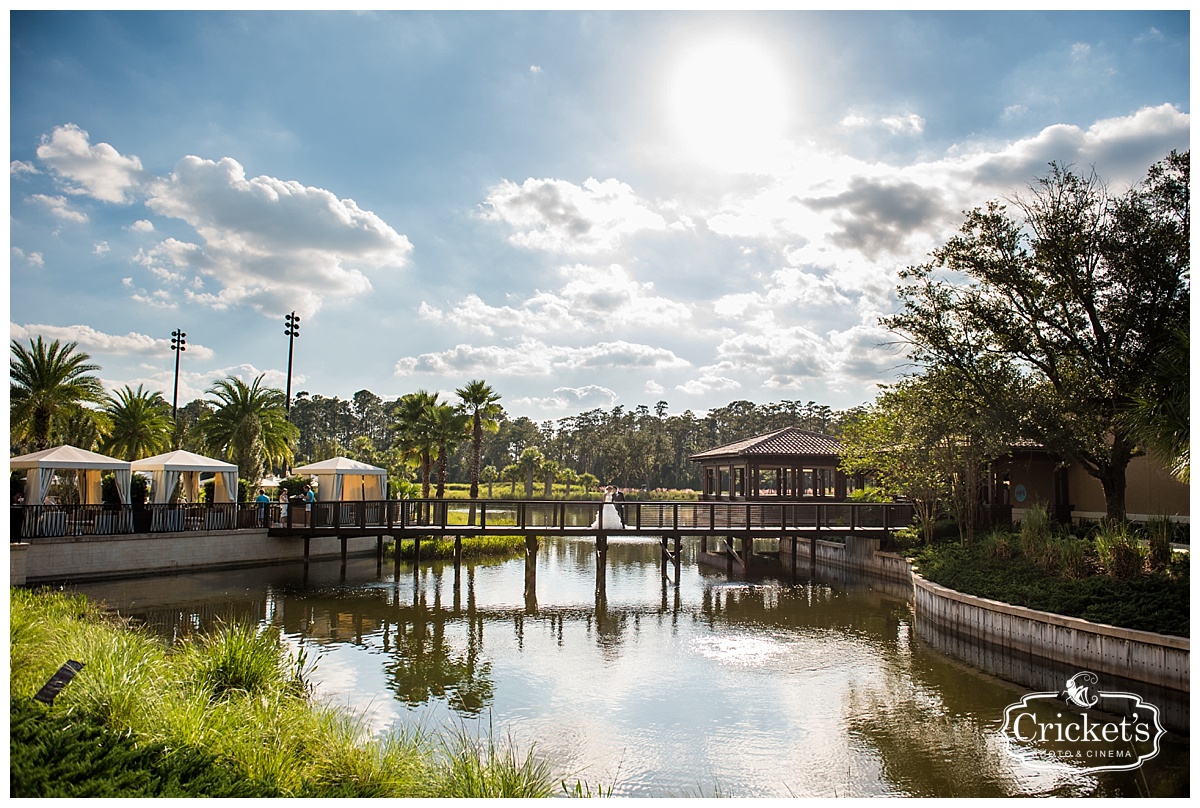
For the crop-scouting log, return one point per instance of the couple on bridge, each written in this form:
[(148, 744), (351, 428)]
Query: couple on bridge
[(611, 513)]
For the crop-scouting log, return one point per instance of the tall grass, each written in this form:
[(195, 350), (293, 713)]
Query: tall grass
[(238, 696), (1121, 554)]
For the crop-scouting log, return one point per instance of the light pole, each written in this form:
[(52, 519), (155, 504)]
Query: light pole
[(178, 345), (292, 329)]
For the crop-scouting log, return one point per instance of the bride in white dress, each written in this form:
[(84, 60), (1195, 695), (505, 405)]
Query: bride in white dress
[(609, 518)]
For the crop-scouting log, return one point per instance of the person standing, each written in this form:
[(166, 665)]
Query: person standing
[(619, 503), (263, 502)]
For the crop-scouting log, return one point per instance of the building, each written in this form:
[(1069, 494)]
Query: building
[(796, 465)]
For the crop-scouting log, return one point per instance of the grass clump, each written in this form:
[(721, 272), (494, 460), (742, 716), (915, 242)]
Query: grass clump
[(230, 713), (474, 547)]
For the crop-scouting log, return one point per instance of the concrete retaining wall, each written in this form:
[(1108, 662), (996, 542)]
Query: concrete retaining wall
[(80, 558), (1140, 656)]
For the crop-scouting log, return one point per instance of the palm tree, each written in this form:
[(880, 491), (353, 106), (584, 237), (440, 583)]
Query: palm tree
[(141, 424), (413, 429), (249, 426), (48, 383), (489, 475), (530, 462), (448, 428), (479, 401)]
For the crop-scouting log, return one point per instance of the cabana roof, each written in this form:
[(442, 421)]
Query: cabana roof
[(181, 461), (338, 465), (66, 457)]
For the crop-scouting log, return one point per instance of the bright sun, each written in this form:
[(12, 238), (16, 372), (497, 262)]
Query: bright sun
[(727, 104)]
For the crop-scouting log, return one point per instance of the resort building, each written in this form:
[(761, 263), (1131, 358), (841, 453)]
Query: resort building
[(797, 465)]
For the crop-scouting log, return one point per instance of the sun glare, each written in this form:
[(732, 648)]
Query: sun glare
[(727, 104)]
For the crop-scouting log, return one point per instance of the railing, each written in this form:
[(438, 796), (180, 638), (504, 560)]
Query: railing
[(577, 516), (444, 516), (50, 521)]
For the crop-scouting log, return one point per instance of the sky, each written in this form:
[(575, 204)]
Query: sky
[(582, 208)]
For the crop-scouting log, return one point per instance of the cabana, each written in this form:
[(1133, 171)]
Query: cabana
[(167, 470), (184, 468), (41, 467), (340, 479), (45, 518)]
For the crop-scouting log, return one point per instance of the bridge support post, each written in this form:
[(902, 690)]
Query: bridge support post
[(601, 563), (307, 539), (747, 552), (678, 553), (457, 552), (396, 560), (344, 540), (531, 549), (812, 553)]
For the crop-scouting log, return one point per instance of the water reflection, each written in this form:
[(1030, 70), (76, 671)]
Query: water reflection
[(817, 686)]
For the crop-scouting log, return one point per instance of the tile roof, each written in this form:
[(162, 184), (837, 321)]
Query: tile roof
[(787, 441)]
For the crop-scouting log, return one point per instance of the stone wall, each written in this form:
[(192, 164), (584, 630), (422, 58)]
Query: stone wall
[(78, 558)]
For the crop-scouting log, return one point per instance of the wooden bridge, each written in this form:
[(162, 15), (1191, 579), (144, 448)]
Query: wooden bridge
[(735, 524), (455, 517)]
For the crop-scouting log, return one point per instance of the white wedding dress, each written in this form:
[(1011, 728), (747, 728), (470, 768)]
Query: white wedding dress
[(608, 519)]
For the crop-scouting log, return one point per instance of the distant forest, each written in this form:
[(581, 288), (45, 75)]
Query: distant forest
[(641, 447)]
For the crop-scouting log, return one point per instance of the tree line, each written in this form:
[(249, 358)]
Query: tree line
[(419, 438)]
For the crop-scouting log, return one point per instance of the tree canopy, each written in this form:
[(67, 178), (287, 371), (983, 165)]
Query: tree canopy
[(1061, 310)]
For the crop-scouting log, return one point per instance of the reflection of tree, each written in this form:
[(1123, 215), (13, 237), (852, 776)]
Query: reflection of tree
[(423, 665)]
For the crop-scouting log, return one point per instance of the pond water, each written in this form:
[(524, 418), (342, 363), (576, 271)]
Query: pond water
[(817, 687)]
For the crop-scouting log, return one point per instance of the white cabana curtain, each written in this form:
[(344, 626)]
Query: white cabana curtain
[(43, 478), (336, 492), (162, 484), (124, 479)]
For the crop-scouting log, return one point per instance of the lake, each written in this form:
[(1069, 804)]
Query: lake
[(709, 686)]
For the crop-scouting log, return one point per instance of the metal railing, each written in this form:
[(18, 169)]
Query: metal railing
[(446, 516)]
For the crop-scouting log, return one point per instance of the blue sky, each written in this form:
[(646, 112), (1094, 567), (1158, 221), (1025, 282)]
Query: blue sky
[(584, 209)]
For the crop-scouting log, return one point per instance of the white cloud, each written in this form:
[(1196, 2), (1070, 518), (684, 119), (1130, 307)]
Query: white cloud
[(531, 357), (569, 399), (99, 171), (18, 167), (100, 248), (142, 226), (59, 207), (591, 298), (34, 259), (273, 244), (560, 217), (94, 342)]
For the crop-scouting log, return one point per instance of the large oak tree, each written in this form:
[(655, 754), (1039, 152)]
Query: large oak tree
[(1077, 294)]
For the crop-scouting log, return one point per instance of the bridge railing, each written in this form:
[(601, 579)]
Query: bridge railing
[(49, 521), (578, 515)]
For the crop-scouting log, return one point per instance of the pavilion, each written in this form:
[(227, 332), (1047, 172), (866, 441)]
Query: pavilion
[(787, 464)]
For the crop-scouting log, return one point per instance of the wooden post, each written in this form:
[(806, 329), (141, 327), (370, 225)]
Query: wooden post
[(601, 564), (307, 538), (531, 548), (344, 539), (664, 557), (678, 553), (812, 553), (396, 560), (416, 549), (457, 552)]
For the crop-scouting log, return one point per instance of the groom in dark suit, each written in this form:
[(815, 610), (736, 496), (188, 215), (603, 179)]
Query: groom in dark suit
[(619, 503)]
